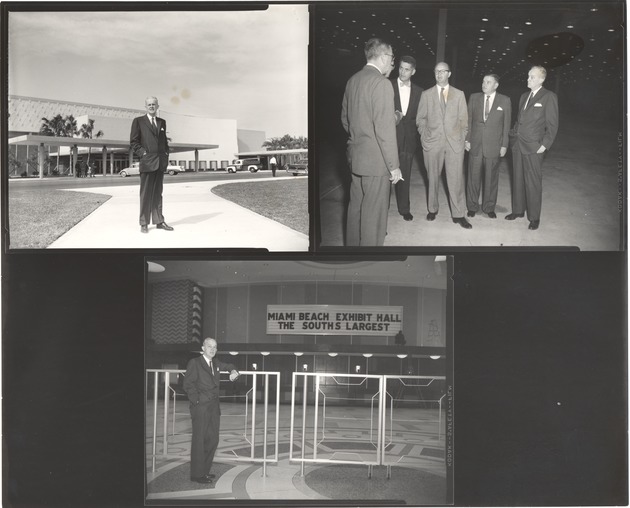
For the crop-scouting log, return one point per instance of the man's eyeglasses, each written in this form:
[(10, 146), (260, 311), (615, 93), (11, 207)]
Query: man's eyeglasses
[(440, 71), (387, 54)]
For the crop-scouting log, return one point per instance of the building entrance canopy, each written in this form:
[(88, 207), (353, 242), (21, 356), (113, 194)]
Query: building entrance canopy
[(106, 145)]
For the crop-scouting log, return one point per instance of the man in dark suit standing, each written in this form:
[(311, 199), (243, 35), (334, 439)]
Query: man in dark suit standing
[(406, 100), (489, 117), (532, 135), (149, 144), (201, 384), (367, 116), (442, 123)]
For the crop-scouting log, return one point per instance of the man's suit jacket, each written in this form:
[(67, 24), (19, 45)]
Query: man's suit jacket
[(487, 138), (406, 131), (200, 383), (435, 128), (149, 146), (538, 124), (367, 115)]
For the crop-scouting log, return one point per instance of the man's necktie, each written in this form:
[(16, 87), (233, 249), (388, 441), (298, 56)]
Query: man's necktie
[(153, 124), (531, 94), (442, 100), (486, 109)]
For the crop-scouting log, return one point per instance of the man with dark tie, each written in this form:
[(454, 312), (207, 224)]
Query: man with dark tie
[(367, 115), (442, 122), (148, 143), (406, 100), (532, 135), (489, 117), (201, 384)]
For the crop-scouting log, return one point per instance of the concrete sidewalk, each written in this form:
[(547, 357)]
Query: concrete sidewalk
[(201, 220)]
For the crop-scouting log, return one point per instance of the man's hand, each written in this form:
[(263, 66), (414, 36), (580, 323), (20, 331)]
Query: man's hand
[(542, 149), (399, 116), (503, 151), (467, 146), (234, 375), (396, 176)]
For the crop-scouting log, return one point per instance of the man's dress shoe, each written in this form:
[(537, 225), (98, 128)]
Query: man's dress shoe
[(164, 226), (408, 216), (471, 213), (513, 216), (492, 215), (463, 222), (202, 479), (144, 229), (431, 215), (534, 224), (210, 476)]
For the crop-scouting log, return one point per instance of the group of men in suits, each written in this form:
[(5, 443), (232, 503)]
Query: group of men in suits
[(448, 126)]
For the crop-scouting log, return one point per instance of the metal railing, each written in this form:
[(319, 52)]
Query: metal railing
[(417, 383), (380, 399), (338, 380), (249, 398)]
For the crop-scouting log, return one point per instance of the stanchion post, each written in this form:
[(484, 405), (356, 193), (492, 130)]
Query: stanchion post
[(316, 414), (254, 415), (166, 385), (155, 395), (278, 413), (303, 422), (266, 416)]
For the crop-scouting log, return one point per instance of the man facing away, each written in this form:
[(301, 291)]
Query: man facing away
[(201, 384), (442, 122), (533, 134), (406, 100), (367, 116), (148, 143), (489, 117)]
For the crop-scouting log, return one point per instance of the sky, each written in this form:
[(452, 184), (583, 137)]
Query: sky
[(250, 66)]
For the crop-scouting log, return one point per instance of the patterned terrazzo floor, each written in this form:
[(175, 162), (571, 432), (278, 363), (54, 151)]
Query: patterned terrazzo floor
[(415, 451)]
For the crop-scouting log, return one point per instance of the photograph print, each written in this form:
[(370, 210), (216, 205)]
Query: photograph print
[(482, 124), (312, 380), (158, 129)]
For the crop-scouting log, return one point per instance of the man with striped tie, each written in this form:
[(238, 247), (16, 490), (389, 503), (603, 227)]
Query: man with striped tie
[(489, 118)]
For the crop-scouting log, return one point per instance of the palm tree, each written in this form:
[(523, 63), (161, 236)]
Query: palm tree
[(86, 132), (59, 126)]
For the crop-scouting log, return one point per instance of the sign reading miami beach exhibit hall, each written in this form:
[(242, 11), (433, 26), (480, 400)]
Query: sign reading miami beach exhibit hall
[(333, 319)]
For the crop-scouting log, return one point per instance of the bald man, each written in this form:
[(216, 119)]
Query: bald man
[(201, 384), (148, 143)]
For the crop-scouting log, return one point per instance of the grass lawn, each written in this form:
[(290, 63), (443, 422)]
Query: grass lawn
[(37, 217), (285, 201)]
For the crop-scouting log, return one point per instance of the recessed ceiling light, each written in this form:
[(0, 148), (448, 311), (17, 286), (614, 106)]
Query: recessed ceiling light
[(484, 19)]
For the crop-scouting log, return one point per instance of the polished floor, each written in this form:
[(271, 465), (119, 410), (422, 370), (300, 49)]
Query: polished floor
[(415, 459), (582, 201)]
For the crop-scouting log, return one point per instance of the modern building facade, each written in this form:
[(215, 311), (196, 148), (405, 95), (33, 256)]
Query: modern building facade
[(26, 114)]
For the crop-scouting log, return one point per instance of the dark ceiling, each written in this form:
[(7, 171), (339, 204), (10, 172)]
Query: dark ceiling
[(576, 41)]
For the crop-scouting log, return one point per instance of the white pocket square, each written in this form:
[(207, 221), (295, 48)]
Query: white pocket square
[(538, 105), (499, 108), (162, 129)]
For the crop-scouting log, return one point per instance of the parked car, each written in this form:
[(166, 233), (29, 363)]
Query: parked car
[(251, 165), (299, 167), (134, 169)]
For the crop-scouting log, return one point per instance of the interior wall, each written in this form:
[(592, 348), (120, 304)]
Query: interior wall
[(238, 314)]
